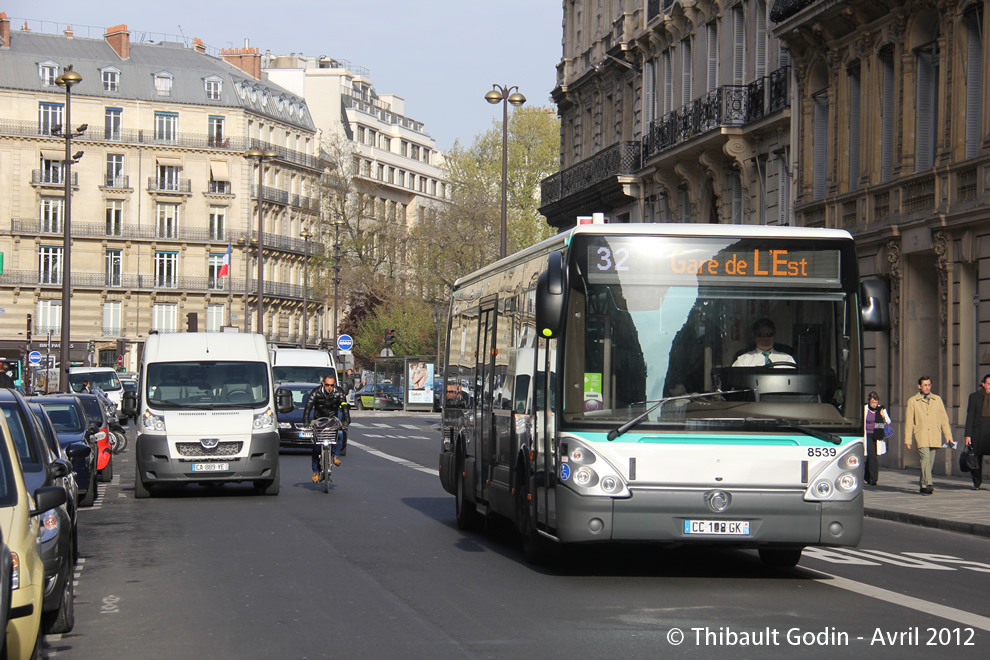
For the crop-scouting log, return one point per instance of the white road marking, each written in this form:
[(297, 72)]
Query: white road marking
[(926, 607), (395, 459), (410, 426)]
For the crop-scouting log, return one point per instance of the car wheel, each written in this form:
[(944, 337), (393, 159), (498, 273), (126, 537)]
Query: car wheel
[(106, 474), (90, 495), (360, 404), (63, 619)]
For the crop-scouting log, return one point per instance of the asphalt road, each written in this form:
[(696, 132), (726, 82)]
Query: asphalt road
[(378, 569)]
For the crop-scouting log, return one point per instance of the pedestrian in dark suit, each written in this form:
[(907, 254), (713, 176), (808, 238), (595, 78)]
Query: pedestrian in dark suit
[(978, 427)]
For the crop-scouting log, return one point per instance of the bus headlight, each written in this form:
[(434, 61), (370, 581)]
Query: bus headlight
[(588, 473), (584, 477), (846, 482), (839, 480), (609, 484), (823, 488)]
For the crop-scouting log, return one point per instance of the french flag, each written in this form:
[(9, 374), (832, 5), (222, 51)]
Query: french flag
[(225, 266)]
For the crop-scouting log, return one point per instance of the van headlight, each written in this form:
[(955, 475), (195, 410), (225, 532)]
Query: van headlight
[(264, 420), (153, 422)]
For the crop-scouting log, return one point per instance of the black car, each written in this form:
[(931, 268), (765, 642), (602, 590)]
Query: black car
[(99, 425), (42, 469), (69, 419)]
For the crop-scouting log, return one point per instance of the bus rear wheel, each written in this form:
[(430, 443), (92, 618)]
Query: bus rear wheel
[(780, 557)]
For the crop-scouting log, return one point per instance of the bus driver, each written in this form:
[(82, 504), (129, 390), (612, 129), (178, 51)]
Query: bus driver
[(764, 333)]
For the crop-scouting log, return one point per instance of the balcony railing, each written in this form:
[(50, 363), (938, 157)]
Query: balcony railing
[(238, 144), (180, 186), (52, 178), (729, 105), (120, 181), (132, 281), (219, 188), (109, 331), (620, 158), (270, 194)]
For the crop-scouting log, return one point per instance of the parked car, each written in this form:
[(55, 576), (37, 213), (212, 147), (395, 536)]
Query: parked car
[(99, 427), (6, 568), (291, 431), (41, 469), (20, 526), (58, 451), (69, 419), (381, 396)]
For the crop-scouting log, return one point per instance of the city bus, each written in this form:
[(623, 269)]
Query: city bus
[(595, 394), (12, 367)]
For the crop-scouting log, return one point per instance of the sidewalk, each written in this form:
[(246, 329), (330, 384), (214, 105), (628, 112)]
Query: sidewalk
[(955, 506)]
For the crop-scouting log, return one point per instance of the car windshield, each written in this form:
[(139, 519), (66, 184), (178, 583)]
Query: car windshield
[(94, 411), (207, 384), (46, 427), (299, 395), (19, 431), (65, 417), (105, 380), (300, 374)]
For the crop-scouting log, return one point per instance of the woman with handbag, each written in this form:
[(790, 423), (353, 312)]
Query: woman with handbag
[(978, 430), (875, 432)]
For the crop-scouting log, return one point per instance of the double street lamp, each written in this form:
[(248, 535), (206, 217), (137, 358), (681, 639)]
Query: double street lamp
[(262, 156), (67, 80), (305, 234), (336, 277), (505, 96)]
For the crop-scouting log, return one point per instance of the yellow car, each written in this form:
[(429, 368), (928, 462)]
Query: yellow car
[(20, 523)]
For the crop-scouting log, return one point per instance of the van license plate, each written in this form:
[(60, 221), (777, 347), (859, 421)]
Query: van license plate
[(717, 527), (211, 467)]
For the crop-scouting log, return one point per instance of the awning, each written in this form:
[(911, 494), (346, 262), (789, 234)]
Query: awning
[(169, 162), (52, 154), (218, 168)]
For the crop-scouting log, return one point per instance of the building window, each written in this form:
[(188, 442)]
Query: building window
[(214, 318), (217, 135), (52, 210), (854, 123), (163, 84), (168, 220), (405, 148), (48, 73), (213, 272), (380, 173), (218, 223), (973, 20), (926, 116), (115, 171), (49, 116), (111, 319), (414, 152), (386, 143), (168, 177), (887, 110), (48, 317), (114, 262), (111, 80), (115, 217), (166, 270), (213, 88), (49, 265), (51, 171), (163, 317), (820, 155), (166, 127), (112, 120)]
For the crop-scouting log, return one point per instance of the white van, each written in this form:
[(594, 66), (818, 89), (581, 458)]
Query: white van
[(103, 377), (301, 365), (207, 411)]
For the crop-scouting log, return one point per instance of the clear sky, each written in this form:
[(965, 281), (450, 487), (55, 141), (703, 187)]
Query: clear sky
[(441, 56)]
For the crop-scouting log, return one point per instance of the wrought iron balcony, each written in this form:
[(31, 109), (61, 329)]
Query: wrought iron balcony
[(219, 187), (622, 158), (269, 194), (52, 178), (109, 331), (120, 182), (729, 105), (178, 186), (133, 281)]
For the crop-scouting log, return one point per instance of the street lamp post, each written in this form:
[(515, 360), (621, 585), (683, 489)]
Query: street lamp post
[(67, 80), (505, 95), (262, 156), (336, 279), (306, 235)]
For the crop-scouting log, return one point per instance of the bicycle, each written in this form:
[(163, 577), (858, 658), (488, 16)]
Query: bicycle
[(325, 431)]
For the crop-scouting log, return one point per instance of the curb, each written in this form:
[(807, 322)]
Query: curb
[(976, 529)]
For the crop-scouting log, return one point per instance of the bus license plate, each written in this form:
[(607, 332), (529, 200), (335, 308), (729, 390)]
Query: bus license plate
[(211, 467), (717, 527)]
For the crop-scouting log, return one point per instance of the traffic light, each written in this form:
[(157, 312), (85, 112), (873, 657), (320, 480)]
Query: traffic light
[(389, 338), (192, 322)]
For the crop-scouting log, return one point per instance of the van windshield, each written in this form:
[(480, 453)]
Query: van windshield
[(301, 374), (207, 384), (105, 380)]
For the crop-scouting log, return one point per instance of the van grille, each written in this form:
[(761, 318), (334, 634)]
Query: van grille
[(196, 449)]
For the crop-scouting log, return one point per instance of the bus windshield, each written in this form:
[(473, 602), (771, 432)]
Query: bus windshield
[(767, 326), (207, 384)]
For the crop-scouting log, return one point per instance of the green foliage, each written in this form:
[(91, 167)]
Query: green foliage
[(414, 325)]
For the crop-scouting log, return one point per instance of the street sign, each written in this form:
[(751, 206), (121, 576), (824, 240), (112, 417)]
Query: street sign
[(34, 357), (120, 361), (345, 342)]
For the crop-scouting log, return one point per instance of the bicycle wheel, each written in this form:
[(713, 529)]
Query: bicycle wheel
[(327, 468)]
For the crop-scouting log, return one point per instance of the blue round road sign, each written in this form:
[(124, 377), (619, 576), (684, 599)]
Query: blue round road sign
[(345, 342), (34, 357)]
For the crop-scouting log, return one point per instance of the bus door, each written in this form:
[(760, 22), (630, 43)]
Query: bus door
[(546, 465), (484, 395)]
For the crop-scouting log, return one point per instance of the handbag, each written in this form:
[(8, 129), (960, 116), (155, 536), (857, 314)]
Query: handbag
[(881, 447), (888, 430), (968, 460)]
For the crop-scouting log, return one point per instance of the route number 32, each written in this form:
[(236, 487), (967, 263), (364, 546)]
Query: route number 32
[(612, 261)]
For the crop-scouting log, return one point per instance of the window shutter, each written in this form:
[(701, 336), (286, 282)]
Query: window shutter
[(712, 57), (820, 161), (923, 117), (887, 128), (687, 82), (761, 39), (649, 90), (974, 83), (737, 199), (854, 119), (668, 83), (738, 47)]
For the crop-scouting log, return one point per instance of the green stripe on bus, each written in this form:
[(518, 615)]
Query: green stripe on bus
[(735, 439)]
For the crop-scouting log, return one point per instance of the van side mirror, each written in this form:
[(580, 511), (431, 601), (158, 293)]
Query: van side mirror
[(874, 303), (128, 403), (283, 401), (551, 290)]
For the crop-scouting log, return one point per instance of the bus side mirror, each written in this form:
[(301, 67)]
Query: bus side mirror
[(551, 289), (128, 403), (283, 401), (874, 308)]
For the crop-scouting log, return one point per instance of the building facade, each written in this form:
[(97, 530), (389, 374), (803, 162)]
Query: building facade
[(161, 192), (893, 144)]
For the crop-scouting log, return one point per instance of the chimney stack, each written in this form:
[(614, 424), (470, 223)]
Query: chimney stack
[(68, 31), (198, 45), (120, 40), (247, 60), (4, 30)]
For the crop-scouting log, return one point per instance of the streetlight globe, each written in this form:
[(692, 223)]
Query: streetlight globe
[(516, 98), (270, 153), (494, 96), (254, 152), (68, 79), (305, 234)]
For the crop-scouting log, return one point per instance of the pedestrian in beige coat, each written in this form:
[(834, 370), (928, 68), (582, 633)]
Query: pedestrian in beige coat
[(925, 423)]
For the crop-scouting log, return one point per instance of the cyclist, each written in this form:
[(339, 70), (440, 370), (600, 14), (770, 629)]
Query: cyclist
[(324, 401)]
